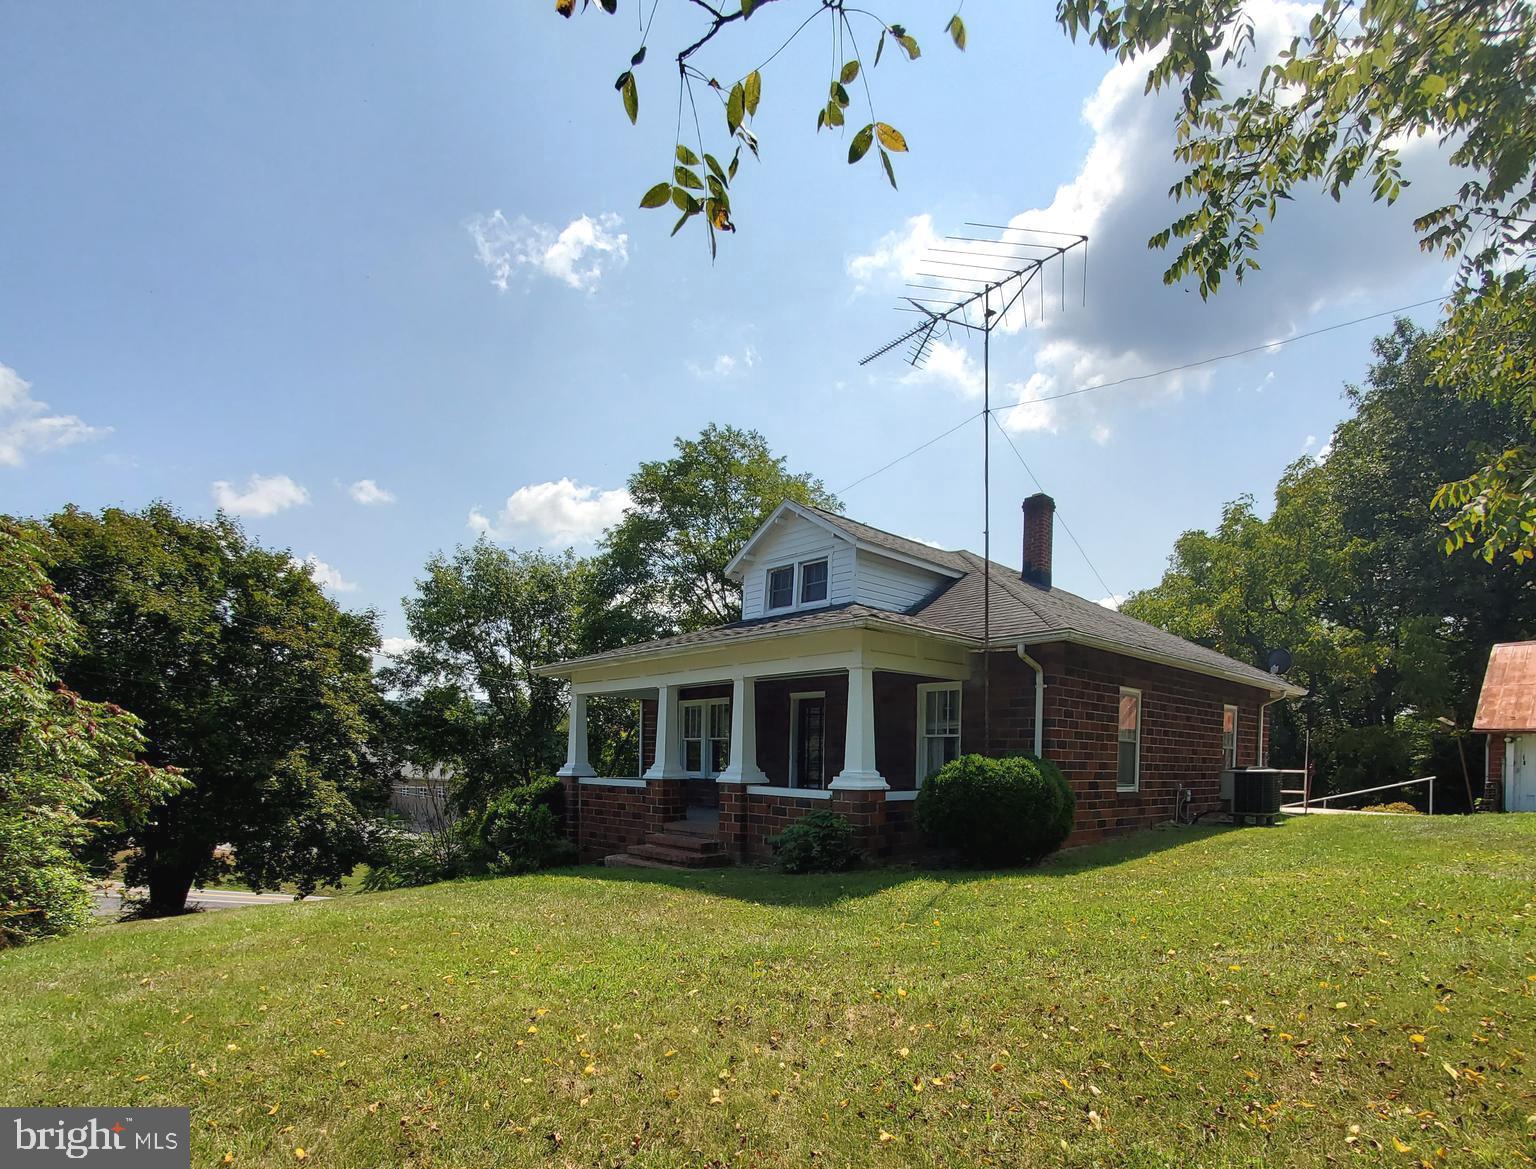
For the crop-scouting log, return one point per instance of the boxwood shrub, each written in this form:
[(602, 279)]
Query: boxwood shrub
[(821, 842), (997, 812)]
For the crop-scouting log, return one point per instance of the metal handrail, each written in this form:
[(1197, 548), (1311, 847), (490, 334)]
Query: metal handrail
[(1365, 791)]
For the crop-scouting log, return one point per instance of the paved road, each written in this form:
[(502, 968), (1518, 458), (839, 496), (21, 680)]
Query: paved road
[(109, 899)]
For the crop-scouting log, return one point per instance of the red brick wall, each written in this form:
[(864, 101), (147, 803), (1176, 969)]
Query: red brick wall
[(773, 722), (610, 819), (1180, 737), (748, 821), (1013, 708), (1493, 778)]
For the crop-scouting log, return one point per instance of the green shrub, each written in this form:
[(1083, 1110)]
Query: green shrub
[(400, 858), (821, 842), (1401, 807), (522, 830), (997, 811)]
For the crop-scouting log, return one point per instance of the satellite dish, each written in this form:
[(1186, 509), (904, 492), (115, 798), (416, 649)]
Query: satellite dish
[(1279, 661)]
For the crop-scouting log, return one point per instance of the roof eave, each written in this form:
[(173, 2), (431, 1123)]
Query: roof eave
[(861, 621), (1278, 686)]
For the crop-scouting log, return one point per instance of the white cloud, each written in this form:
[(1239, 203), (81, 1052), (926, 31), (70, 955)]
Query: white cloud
[(263, 495), (367, 492), (725, 364), (579, 254), (27, 427), (395, 646), (898, 255), (324, 575), (1317, 256), (561, 512), (1113, 601)]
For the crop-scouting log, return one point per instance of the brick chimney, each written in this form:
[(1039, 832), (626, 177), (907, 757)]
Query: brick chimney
[(1039, 518)]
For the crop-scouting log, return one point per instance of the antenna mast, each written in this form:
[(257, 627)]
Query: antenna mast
[(977, 291)]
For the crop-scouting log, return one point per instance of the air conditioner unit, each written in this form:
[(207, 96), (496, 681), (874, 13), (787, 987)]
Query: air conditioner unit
[(1251, 795)]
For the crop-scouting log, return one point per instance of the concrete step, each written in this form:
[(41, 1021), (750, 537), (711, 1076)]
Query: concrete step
[(709, 828), (682, 857), (692, 841), (623, 860)]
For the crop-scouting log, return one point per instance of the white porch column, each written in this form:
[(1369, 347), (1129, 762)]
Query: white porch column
[(743, 765), (859, 772), (576, 763), (668, 763)]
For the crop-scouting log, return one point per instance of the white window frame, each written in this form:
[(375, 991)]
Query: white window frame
[(706, 738), (794, 584), (1141, 722), (797, 584), (923, 690), (1229, 750), (794, 732)]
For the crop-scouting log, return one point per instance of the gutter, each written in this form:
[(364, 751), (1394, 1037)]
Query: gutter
[(1024, 657), (1276, 684)]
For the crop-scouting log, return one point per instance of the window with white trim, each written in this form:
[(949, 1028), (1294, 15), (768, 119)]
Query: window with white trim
[(781, 587), (798, 586), (938, 726), (1128, 776), (1229, 736), (813, 582), (706, 736)]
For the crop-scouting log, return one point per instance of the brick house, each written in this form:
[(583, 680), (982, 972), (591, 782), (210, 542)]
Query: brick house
[(860, 667)]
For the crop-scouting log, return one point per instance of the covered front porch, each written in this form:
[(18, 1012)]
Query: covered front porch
[(747, 738)]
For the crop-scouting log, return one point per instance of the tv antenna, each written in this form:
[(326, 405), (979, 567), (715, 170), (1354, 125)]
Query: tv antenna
[(976, 283)]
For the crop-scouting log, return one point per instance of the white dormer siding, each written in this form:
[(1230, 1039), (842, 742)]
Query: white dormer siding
[(882, 583), (790, 543), (855, 571)]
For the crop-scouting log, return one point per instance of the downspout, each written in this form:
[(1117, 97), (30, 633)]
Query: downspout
[(1262, 753), (1039, 699)]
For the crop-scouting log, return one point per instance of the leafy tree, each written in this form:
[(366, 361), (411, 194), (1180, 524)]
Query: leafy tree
[(697, 184), (689, 515), (248, 678), (482, 619), (1348, 572), (1334, 108), (69, 768)]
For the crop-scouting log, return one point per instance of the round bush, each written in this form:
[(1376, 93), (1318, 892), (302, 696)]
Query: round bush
[(997, 811), (821, 842)]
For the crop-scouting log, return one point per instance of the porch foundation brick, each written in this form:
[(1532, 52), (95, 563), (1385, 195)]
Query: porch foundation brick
[(735, 818), (666, 801), (865, 810), (570, 787), (610, 819)]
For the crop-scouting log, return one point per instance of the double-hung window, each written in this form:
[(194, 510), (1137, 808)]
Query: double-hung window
[(1229, 736), (802, 585), (706, 736), (938, 726), (781, 587), (1128, 776)]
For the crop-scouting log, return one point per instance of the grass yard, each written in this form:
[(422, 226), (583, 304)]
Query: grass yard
[(1335, 991)]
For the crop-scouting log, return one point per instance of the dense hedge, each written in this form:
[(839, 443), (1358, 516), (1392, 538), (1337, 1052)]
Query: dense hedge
[(997, 811)]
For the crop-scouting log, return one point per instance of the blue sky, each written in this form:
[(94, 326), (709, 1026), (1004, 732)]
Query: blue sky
[(270, 241)]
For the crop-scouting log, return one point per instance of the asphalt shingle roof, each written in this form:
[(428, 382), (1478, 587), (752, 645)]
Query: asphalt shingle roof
[(1019, 612)]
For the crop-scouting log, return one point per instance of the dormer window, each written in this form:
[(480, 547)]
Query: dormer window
[(781, 587), (798, 586), (813, 582)]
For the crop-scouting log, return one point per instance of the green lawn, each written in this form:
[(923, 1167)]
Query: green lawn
[(1335, 991)]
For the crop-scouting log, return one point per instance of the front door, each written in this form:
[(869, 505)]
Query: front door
[(810, 745), (1520, 795)]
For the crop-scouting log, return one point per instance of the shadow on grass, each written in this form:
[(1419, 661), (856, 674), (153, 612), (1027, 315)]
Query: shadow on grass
[(764, 885)]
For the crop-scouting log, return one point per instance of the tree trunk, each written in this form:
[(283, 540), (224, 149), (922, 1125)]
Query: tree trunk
[(169, 886)]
